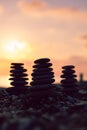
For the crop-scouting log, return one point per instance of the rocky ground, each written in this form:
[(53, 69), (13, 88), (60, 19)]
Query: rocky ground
[(21, 112)]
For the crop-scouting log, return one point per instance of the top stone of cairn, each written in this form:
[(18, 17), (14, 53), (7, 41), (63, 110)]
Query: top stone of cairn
[(42, 60), (68, 67)]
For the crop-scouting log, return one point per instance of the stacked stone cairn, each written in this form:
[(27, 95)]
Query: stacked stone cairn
[(19, 77), (42, 78), (69, 82)]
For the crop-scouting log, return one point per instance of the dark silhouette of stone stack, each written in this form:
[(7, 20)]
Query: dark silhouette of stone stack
[(69, 82), (42, 78), (19, 77)]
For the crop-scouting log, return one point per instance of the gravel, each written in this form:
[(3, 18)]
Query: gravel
[(22, 112)]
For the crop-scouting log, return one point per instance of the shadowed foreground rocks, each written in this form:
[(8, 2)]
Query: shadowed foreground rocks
[(15, 115)]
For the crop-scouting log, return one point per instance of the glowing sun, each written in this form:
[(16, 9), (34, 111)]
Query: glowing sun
[(15, 50), (14, 47)]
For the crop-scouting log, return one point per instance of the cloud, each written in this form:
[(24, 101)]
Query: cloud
[(84, 37), (43, 9), (83, 40), (33, 5)]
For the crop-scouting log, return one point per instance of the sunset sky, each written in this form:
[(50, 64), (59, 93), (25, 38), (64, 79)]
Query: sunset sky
[(32, 29)]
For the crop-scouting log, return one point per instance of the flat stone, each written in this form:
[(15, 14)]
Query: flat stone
[(66, 72), (42, 60), (43, 69), (68, 76), (19, 81), (42, 73), (18, 75), (17, 64), (43, 77), (17, 67), (44, 65), (20, 78), (68, 67), (18, 71)]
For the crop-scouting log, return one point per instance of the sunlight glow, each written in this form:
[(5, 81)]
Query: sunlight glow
[(14, 47), (15, 50)]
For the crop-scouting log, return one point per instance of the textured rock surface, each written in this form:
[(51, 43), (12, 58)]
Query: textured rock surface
[(18, 113)]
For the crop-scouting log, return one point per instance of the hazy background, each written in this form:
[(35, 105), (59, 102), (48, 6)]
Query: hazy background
[(43, 28)]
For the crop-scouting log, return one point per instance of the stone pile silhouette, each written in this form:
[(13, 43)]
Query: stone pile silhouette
[(42, 83), (18, 77), (43, 77), (69, 81)]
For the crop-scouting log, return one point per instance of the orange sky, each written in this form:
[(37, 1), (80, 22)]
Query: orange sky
[(32, 29)]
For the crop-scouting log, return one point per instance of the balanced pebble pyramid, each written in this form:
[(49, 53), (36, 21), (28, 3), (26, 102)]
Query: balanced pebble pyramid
[(19, 76), (69, 82), (43, 75)]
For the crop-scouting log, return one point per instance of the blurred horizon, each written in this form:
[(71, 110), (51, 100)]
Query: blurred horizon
[(33, 29)]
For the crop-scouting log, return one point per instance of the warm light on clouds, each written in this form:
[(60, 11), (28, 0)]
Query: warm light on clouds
[(34, 4), (82, 40), (84, 37), (43, 9), (34, 8)]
